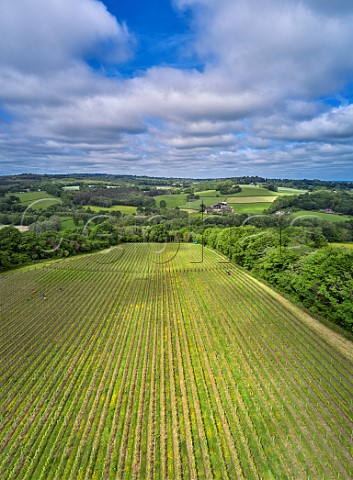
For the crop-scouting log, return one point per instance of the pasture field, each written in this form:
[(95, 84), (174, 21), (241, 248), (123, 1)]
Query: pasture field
[(151, 362), (259, 199), (328, 217), (342, 245), (214, 194), (28, 197), (254, 191), (207, 198), (124, 209), (37, 200), (281, 191), (172, 201), (250, 208)]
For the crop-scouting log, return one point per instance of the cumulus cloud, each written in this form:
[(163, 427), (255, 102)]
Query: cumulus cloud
[(201, 142), (276, 45), (38, 35), (335, 125), (256, 107)]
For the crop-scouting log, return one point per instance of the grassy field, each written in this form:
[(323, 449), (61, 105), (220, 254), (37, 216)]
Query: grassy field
[(254, 191), (145, 362), (68, 222), (257, 208), (172, 201), (282, 191), (342, 245), (257, 199), (28, 197), (37, 200), (211, 194), (125, 209), (328, 217)]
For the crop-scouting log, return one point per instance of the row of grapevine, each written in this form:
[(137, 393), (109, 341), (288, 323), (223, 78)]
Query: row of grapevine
[(165, 361)]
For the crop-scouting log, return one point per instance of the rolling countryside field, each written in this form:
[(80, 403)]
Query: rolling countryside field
[(125, 209), (148, 361), (37, 200)]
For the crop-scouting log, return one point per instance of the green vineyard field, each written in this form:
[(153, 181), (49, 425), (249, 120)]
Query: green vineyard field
[(152, 362)]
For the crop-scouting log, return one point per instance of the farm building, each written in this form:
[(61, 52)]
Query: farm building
[(221, 207)]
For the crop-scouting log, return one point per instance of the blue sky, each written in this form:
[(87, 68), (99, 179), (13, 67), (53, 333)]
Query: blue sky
[(161, 35), (192, 88)]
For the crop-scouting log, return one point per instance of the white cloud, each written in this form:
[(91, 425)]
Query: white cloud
[(284, 45), (254, 108), (41, 35), (202, 142), (335, 125)]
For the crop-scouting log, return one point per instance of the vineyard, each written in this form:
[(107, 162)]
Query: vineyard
[(145, 362)]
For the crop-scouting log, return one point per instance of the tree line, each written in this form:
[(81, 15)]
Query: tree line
[(339, 202)]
